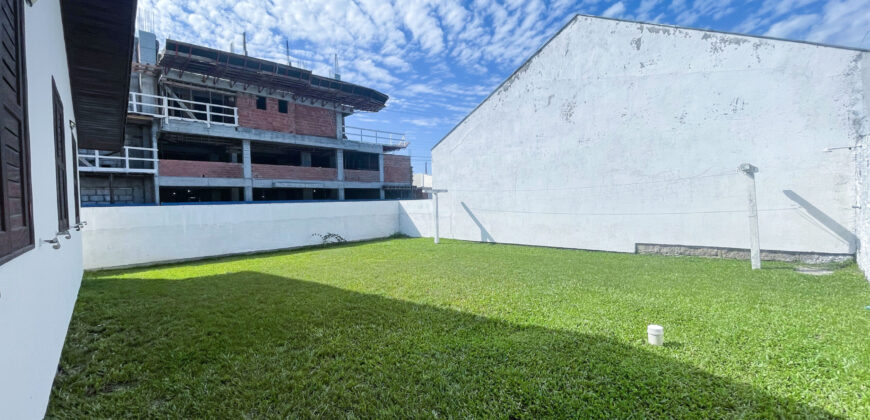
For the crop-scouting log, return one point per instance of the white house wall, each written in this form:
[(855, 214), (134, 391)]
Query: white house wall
[(38, 289), (619, 133)]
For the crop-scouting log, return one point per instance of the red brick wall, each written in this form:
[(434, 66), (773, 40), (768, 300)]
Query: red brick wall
[(359, 175), (200, 169), (299, 119), (264, 171), (264, 119), (397, 169), (314, 121)]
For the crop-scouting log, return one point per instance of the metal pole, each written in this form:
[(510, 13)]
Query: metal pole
[(754, 241)]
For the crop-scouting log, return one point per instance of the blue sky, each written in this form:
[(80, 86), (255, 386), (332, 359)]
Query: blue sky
[(437, 59)]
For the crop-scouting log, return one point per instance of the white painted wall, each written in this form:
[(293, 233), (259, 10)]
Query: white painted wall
[(415, 218), (125, 236), (863, 172), (38, 289), (618, 133)]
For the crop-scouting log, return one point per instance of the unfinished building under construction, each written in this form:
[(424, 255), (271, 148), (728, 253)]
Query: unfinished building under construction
[(212, 126)]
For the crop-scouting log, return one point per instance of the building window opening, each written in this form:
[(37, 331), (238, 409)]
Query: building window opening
[(261, 102), (361, 161), (282, 106), (199, 195), (362, 194)]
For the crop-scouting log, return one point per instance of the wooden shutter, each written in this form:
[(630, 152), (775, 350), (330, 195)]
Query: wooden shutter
[(16, 224), (60, 161), (75, 163)]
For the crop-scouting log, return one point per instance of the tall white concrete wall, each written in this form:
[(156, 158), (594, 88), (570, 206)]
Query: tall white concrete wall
[(619, 133), (863, 173), (38, 289), (125, 236)]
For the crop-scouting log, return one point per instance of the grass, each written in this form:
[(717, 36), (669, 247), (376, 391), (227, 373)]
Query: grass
[(404, 328)]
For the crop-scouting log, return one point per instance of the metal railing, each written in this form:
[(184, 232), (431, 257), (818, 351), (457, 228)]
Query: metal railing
[(143, 161), (182, 109), (366, 135)]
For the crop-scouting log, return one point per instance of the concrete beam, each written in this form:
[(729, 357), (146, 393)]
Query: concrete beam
[(289, 183), (187, 181), (196, 128)]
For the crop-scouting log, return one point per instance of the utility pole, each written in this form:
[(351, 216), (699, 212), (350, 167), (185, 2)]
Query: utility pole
[(754, 242), (435, 209)]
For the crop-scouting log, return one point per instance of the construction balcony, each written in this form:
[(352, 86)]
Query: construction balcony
[(132, 160), (199, 118), (182, 110)]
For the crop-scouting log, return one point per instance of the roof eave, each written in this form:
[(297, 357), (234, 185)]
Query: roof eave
[(99, 37)]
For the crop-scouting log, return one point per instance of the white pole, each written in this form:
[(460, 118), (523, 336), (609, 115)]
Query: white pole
[(754, 241), (434, 193), (435, 212)]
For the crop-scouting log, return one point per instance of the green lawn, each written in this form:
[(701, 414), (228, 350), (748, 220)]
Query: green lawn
[(406, 328)]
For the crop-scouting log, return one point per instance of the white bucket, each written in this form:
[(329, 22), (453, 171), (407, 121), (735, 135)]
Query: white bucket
[(655, 334)]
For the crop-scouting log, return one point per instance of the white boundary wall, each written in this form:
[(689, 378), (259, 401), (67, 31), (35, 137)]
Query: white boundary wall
[(128, 236)]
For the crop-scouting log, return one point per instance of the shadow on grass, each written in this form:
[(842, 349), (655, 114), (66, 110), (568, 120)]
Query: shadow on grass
[(249, 344)]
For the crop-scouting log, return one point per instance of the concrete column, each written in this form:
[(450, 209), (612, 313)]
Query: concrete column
[(339, 125), (246, 170), (381, 173), (339, 163), (306, 159), (155, 128)]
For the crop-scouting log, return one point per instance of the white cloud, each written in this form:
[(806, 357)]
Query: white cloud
[(616, 10), (838, 22), (790, 26), (424, 122), (645, 7), (845, 22)]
